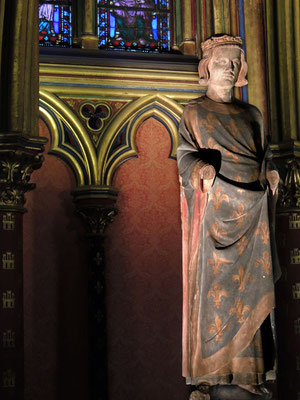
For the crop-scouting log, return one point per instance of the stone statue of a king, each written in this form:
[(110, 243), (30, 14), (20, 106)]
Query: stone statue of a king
[(228, 186)]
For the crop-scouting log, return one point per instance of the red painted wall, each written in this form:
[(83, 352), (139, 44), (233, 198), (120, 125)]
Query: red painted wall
[(144, 292), (144, 275), (54, 287)]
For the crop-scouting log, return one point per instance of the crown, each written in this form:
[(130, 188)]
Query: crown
[(224, 40)]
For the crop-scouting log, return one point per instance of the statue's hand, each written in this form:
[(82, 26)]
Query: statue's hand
[(203, 177), (273, 179), (207, 173)]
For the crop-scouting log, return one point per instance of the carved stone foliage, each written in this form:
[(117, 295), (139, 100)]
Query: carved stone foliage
[(16, 167), (289, 189), (96, 219)]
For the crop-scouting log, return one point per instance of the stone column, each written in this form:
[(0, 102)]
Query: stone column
[(188, 44), (16, 167), (20, 155), (88, 39), (97, 211), (288, 287)]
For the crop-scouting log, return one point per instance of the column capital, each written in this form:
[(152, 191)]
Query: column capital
[(95, 204), (287, 158), (19, 157)]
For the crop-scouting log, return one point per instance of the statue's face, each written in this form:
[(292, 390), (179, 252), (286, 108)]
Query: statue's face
[(224, 66)]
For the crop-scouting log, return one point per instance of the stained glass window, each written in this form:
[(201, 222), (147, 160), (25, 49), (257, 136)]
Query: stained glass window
[(135, 25), (55, 23)]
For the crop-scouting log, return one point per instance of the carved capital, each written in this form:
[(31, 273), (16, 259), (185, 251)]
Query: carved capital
[(17, 162), (289, 188), (96, 219), (95, 204)]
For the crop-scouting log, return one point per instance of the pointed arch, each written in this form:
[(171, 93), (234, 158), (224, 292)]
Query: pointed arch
[(69, 139), (118, 142)]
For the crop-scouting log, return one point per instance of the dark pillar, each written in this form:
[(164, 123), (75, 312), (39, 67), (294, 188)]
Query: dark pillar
[(288, 287), (97, 211), (18, 158)]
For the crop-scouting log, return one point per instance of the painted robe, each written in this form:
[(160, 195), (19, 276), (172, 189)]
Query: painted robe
[(228, 251)]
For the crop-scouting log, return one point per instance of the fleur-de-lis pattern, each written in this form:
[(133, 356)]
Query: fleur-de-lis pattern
[(216, 262), (239, 310), (217, 232), (242, 278), (218, 198), (232, 127), (217, 328), (209, 123), (263, 231), (232, 271), (265, 262), (242, 244), (239, 214), (231, 154), (217, 293), (212, 144)]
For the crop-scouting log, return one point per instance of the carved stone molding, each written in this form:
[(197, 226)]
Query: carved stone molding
[(96, 219), (286, 156), (289, 188), (18, 159)]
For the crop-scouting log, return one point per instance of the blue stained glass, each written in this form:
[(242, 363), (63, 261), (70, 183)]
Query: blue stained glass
[(154, 28), (55, 19), (112, 25), (134, 25)]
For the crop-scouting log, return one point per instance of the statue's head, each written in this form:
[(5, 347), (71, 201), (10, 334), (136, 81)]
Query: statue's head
[(217, 51)]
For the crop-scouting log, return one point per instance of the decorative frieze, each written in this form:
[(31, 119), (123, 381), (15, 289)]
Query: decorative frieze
[(9, 339), (9, 379), (8, 299), (294, 221), (295, 256), (8, 261), (8, 221), (297, 326), (296, 291)]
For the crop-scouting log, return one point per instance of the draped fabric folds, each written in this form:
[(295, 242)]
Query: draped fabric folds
[(228, 251)]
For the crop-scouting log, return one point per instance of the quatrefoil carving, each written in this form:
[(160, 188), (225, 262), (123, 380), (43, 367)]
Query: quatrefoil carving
[(95, 115)]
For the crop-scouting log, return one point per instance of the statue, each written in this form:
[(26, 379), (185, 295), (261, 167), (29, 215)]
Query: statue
[(228, 186)]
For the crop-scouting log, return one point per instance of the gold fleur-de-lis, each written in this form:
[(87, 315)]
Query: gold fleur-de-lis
[(242, 278), (217, 232), (234, 157), (233, 129), (217, 293), (218, 198), (239, 214), (263, 230), (239, 310), (216, 262), (265, 262), (242, 244), (209, 123), (217, 328), (213, 145)]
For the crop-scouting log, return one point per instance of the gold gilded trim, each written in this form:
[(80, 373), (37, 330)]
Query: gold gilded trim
[(127, 114), (66, 115)]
